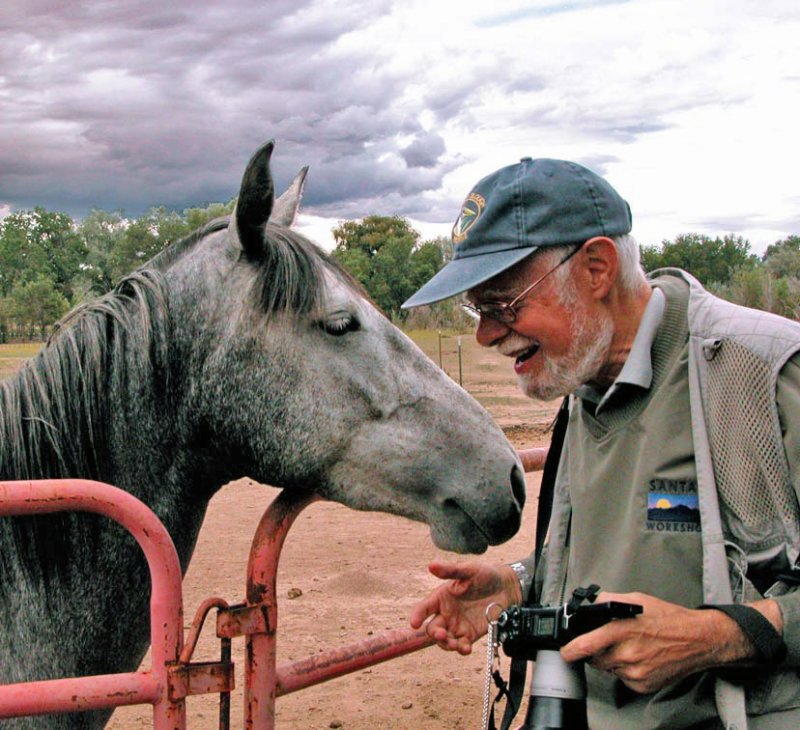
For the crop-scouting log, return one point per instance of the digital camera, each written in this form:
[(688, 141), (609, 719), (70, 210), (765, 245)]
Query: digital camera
[(523, 630), (558, 689)]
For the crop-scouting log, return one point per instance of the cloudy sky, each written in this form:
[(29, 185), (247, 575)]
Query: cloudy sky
[(688, 107)]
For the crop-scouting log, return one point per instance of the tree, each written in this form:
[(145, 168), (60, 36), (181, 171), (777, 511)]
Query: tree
[(37, 303), (385, 255), (6, 317), (144, 237), (102, 233), (15, 259), (790, 243), (198, 217), (782, 258), (708, 259), (40, 242)]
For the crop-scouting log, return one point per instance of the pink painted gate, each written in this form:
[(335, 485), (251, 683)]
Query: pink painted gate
[(173, 676)]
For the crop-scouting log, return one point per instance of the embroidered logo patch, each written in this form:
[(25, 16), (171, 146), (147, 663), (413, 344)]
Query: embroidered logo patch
[(672, 506), (471, 210)]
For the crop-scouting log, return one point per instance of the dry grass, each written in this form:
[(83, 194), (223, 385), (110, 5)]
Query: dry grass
[(13, 355)]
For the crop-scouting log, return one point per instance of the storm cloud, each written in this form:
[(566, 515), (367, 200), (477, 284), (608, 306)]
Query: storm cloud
[(129, 105), (399, 108)]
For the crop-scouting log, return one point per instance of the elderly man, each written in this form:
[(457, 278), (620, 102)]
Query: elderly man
[(677, 485)]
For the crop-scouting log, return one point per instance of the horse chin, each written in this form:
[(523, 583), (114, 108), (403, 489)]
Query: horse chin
[(446, 539), (457, 532)]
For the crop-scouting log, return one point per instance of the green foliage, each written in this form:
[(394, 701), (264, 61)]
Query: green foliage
[(759, 288), (40, 243), (789, 244), (36, 304), (198, 217), (78, 260), (102, 233), (385, 255), (783, 258), (6, 318), (47, 262), (145, 237), (707, 259)]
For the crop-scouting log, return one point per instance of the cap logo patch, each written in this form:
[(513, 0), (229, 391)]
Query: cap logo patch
[(471, 210)]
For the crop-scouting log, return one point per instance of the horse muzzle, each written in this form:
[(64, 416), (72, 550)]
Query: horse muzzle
[(469, 524)]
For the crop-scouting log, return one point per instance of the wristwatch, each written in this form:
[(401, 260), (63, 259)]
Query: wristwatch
[(525, 578)]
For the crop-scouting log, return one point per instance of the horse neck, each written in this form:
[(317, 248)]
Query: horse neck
[(101, 402)]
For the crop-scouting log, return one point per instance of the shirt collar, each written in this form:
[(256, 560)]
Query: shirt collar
[(638, 367)]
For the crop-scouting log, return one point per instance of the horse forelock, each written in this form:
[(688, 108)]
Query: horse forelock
[(291, 274)]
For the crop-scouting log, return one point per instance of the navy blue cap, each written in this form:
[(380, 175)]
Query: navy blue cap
[(519, 209)]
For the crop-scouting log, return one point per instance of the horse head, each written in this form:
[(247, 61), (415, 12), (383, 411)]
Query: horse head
[(297, 380)]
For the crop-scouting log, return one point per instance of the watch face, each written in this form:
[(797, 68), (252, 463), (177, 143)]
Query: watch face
[(523, 575)]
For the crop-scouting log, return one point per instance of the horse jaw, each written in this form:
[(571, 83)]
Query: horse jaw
[(470, 492)]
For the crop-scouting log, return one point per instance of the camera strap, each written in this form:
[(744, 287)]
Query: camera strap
[(548, 486), (493, 675), (516, 678)]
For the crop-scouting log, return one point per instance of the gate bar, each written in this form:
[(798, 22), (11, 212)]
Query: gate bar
[(262, 571), (77, 694), (334, 663), (47, 496)]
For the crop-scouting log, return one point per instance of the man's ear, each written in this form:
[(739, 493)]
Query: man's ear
[(601, 262)]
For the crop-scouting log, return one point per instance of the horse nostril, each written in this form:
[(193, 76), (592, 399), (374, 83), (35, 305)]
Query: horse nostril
[(518, 486)]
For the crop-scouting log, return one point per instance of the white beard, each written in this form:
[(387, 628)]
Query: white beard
[(588, 354)]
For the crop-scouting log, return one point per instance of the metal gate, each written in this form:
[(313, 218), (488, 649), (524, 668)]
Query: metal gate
[(173, 676)]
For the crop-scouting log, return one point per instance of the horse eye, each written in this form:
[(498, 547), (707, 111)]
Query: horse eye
[(340, 324)]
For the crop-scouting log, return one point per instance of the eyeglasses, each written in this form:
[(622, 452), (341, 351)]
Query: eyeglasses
[(506, 312)]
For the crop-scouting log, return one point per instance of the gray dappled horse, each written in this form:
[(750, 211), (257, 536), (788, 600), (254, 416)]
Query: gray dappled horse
[(242, 350)]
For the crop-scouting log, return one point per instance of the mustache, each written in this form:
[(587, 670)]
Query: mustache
[(514, 343)]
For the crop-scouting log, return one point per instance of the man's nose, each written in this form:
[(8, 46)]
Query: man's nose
[(490, 331)]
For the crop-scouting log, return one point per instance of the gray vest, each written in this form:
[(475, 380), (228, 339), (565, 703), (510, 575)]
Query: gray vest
[(748, 504), (750, 510)]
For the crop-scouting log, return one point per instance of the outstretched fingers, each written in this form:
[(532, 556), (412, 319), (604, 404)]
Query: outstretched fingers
[(428, 606), (455, 610)]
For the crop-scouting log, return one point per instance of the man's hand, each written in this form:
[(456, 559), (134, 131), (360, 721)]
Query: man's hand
[(457, 608), (665, 643)]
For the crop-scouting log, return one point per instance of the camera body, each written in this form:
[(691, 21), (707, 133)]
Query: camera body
[(523, 630), (558, 690)]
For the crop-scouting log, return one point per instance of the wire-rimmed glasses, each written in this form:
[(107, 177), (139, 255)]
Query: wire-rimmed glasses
[(506, 312)]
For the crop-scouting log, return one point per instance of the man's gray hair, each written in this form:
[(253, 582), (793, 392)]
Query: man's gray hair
[(630, 274)]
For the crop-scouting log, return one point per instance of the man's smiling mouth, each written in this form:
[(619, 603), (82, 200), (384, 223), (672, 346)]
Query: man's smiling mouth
[(527, 354)]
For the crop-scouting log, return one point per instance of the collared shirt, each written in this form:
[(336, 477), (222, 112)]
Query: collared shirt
[(638, 368)]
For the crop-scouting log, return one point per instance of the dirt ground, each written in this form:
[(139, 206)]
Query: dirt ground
[(357, 574)]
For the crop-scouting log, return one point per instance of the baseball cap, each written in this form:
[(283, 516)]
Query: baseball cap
[(517, 210)]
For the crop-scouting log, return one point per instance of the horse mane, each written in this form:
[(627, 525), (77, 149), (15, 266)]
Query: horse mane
[(54, 418)]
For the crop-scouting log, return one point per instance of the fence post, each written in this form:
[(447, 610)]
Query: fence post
[(459, 363), (440, 349)]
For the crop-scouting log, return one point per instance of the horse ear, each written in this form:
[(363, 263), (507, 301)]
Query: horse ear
[(254, 204), (286, 206)]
